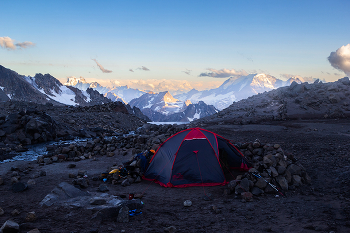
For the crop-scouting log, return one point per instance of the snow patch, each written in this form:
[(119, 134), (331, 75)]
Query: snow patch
[(67, 96), (220, 101), (196, 116), (31, 81), (2, 88), (87, 96), (150, 103)]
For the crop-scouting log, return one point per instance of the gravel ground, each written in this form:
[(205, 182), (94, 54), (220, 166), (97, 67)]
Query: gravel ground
[(321, 146)]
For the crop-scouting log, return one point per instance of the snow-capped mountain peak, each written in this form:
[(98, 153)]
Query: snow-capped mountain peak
[(263, 81), (234, 89), (116, 92), (167, 97), (72, 81)]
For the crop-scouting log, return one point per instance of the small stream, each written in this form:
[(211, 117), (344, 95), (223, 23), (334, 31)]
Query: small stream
[(40, 149)]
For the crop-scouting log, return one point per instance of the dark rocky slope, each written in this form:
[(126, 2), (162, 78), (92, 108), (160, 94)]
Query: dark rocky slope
[(24, 123), (298, 101), (42, 89)]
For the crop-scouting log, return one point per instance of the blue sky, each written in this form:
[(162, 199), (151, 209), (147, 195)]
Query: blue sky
[(176, 40)]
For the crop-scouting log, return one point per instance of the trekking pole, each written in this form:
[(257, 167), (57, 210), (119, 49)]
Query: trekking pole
[(273, 178), (272, 185)]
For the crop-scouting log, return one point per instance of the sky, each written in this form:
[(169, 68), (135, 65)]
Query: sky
[(202, 42)]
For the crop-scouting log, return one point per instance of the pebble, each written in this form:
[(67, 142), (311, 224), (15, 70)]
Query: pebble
[(97, 201), (15, 212), (31, 217), (123, 215), (14, 180), (10, 226), (19, 187), (170, 229), (248, 196), (125, 183), (42, 173), (187, 203), (103, 188), (31, 182), (36, 230), (72, 165)]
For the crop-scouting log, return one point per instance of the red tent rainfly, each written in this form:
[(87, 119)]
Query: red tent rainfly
[(194, 157)]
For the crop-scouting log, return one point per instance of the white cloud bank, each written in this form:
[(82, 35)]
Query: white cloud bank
[(8, 43), (340, 59), (224, 73)]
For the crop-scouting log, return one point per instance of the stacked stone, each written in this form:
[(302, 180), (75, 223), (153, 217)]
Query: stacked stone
[(145, 138), (273, 165), (27, 127)]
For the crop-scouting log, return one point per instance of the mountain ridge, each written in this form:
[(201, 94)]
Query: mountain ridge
[(297, 101)]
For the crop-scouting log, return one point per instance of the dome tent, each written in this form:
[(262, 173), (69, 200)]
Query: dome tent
[(194, 157)]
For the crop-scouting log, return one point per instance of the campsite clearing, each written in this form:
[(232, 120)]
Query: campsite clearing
[(321, 146)]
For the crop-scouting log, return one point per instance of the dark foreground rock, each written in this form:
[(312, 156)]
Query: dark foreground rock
[(23, 123)]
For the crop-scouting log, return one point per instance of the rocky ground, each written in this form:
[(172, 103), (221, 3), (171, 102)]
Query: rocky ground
[(25, 123), (320, 146), (297, 101)]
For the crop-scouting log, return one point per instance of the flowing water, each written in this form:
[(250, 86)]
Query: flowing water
[(39, 149)]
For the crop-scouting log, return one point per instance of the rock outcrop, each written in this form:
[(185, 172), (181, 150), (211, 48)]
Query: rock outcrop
[(297, 101)]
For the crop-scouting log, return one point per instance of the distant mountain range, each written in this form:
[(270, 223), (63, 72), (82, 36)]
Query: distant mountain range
[(164, 107), (157, 106), (233, 89), (115, 93), (161, 106), (44, 89)]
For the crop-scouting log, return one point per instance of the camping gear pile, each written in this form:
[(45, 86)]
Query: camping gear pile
[(130, 171)]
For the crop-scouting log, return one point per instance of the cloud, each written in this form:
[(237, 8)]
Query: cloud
[(187, 71), (8, 43), (101, 67), (340, 59), (25, 44), (143, 68), (224, 73), (131, 70)]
